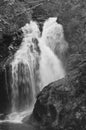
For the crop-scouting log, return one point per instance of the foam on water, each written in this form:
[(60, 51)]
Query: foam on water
[(51, 68), (23, 66), (27, 78)]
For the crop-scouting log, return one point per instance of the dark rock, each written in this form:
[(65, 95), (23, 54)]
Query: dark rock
[(4, 99), (62, 104)]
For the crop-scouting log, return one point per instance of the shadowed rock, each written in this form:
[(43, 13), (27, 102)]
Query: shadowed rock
[(62, 104)]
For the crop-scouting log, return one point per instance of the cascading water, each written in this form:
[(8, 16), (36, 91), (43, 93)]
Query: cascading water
[(35, 65), (23, 85), (23, 65), (51, 68)]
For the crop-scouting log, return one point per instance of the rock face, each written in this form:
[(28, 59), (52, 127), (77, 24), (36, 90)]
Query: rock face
[(62, 105)]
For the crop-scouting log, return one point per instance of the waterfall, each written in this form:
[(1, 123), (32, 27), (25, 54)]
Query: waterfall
[(51, 68), (23, 85), (35, 65)]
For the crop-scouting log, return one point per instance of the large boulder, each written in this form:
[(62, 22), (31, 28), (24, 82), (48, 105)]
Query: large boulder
[(62, 104)]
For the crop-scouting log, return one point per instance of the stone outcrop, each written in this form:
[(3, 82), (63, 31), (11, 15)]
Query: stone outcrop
[(62, 104)]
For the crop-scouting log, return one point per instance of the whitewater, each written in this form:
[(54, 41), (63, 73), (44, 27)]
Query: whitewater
[(35, 65)]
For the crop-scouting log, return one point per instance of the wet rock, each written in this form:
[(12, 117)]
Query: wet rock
[(9, 44), (4, 100)]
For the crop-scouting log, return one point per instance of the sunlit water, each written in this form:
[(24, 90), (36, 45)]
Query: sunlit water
[(34, 66)]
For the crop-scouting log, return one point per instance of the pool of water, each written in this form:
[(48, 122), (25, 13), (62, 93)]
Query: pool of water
[(14, 126)]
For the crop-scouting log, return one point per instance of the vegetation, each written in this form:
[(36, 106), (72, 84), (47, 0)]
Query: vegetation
[(66, 98)]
